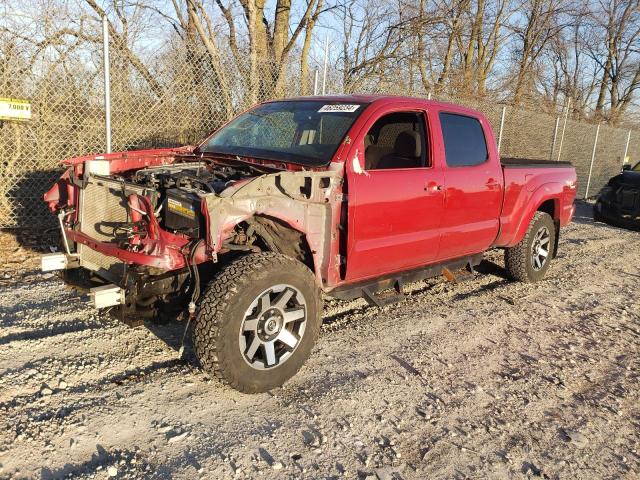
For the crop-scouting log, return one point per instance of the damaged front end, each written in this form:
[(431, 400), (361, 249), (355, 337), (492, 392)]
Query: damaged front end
[(142, 231)]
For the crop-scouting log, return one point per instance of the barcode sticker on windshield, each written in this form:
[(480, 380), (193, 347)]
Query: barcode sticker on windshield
[(339, 108)]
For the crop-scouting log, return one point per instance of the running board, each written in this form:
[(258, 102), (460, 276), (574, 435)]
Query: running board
[(369, 289), (459, 275), (382, 300)]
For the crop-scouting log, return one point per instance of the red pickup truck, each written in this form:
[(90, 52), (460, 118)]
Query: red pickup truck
[(346, 196)]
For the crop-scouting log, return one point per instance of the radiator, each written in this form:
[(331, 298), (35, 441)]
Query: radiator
[(102, 207)]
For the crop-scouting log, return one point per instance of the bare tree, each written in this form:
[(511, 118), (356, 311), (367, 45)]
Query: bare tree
[(572, 74), (371, 40), (617, 22), (541, 22), (487, 38)]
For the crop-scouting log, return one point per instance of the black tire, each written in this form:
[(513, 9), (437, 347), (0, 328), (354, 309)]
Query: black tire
[(597, 217), (521, 262), (228, 304)]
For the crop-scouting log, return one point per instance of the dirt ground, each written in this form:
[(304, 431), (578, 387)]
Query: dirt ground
[(483, 379)]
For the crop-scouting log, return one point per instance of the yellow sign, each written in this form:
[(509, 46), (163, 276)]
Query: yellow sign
[(14, 109)]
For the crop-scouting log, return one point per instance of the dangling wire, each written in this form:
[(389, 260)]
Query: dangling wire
[(195, 294)]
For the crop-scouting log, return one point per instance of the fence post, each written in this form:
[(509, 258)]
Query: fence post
[(626, 148), (504, 111), (555, 137), (564, 126), (107, 82), (593, 157), (326, 62)]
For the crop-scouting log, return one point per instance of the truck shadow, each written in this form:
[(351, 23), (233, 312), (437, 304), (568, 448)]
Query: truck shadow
[(488, 267), (101, 384), (171, 334), (40, 333)]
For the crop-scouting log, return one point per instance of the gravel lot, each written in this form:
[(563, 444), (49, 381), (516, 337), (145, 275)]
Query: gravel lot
[(483, 379)]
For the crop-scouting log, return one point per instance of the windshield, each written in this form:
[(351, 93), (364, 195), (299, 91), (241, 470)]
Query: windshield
[(637, 167), (305, 132)]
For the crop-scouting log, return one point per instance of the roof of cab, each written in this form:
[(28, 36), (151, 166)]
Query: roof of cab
[(376, 98)]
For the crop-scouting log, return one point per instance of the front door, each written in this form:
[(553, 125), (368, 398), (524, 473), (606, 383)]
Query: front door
[(395, 196)]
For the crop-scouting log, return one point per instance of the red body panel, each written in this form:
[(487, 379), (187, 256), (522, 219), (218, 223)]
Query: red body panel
[(396, 219), (394, 215), (473, 197), (526, 190)]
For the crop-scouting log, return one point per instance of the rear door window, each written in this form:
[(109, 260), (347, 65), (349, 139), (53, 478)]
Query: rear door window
[(464, 142)]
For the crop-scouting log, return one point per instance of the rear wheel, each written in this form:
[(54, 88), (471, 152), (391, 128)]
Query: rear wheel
[(257, 322), (597, 217), (529, 260)]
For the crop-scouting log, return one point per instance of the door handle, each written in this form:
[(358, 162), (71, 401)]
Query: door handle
[(433, 187)]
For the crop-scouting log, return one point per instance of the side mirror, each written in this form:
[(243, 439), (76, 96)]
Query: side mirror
[(626, 166)]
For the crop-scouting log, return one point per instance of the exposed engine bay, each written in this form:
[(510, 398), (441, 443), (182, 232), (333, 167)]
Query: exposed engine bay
[(178, 190)]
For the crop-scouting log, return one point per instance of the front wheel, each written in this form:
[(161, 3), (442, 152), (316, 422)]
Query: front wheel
[(529, 260), (257, 322)]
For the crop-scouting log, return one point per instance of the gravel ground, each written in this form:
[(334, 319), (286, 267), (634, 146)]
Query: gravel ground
[(482, 379)]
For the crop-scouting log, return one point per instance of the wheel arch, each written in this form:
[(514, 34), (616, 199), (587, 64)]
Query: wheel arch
[(277, 235), (281, 236), (545, 199), (552, 208)]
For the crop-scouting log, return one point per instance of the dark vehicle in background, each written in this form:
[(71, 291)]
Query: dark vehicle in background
[(619, 201)]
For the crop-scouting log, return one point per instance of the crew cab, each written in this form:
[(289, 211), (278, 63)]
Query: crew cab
[(346, 196)]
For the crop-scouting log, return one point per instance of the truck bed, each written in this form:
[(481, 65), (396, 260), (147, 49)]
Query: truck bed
[(531, 163), (527, 183)]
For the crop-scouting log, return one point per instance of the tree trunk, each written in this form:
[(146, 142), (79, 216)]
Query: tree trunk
[(306, 46), (214, 56)]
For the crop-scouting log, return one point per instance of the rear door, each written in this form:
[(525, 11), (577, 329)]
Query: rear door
[(473, 181), (395, 196)]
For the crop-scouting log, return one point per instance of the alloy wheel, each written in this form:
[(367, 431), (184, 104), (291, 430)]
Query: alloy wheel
[(540, 248), (273, 326)]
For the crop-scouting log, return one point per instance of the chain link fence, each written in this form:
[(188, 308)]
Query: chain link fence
[(189, 96)]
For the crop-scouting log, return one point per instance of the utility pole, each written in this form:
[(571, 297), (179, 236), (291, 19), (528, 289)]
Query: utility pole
[(564, 126), (504, 112), (107, 82), (593, 157), (326, 63), (315, 81)]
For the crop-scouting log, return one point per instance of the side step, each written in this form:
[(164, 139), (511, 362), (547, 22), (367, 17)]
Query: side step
[(369, 290), (382, 300), (459, 275)]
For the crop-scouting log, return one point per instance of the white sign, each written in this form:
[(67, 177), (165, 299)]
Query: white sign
[(339, 108), (14, 109)]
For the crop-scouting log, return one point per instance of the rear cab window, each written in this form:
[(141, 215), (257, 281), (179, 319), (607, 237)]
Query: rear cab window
[(464, 141)]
